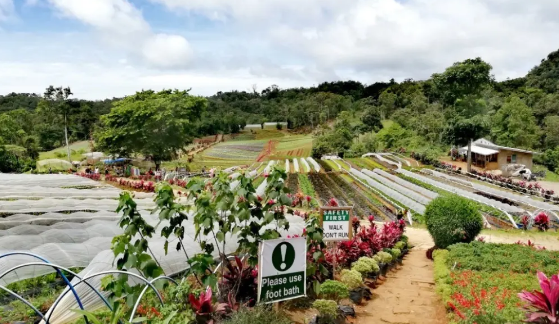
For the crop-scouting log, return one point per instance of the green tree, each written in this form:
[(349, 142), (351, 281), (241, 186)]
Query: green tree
[(58, 101), (387, 102), (371, 119), (154, 124), (460, 87), (514, 124), (551, 131), (462, 79)]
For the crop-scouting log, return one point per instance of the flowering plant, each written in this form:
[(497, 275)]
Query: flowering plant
[(541, 221), (542, 307)]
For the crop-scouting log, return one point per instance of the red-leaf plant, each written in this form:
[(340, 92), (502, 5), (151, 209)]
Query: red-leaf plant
[(543, 307), (241, 281), (366, 242), (203, 306), (541, 221)]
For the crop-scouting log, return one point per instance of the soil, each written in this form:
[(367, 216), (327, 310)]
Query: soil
[(407, 296)]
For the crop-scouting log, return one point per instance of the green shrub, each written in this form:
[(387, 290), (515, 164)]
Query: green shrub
[(258, 315), (372, 262), (363, 268), (395, 253), (515, 258), (328, 309), (333, 290), (442, 274), (383, 257), (351, 278), (400, 245), (452, 220)]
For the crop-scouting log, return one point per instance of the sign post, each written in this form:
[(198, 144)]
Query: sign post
[(282, 266), (336, 223)]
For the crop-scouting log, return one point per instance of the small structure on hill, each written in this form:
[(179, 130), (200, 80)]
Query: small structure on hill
[(490, 156)]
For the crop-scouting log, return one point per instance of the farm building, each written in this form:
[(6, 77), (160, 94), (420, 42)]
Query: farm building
[(490, 156)]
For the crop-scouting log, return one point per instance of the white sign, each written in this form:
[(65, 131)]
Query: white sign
[(336, 223), (282, 266)]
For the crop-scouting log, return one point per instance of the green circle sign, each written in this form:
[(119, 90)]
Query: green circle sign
[(283, 256)]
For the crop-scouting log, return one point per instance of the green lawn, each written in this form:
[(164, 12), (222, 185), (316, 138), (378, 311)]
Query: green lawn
[(77, 149), (549, 176)]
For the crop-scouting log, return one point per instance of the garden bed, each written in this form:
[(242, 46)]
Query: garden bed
[(479, 282)]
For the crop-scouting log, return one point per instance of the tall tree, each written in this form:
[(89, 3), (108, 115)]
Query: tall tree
[(460, 87), (514, 125), (58, 100), (154, 124), (551, 132)]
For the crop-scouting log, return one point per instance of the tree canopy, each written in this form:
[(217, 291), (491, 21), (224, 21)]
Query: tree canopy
[(154, 124), (460, 103)]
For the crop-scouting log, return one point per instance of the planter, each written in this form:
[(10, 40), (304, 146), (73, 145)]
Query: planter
[(383, 268)]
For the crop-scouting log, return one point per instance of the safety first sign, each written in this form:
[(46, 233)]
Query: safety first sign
[(336, 223), (282, 268)]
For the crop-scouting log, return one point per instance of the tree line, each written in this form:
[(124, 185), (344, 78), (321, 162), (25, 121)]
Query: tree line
[(461, 103)]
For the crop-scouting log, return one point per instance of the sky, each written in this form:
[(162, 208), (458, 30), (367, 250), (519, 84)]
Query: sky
[(112, 48)]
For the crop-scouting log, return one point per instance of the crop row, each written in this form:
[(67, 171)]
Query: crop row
[(497, 218), (306, 185), (324, 191), (357, 196), (325, 165), (293, 183), (385, 206)]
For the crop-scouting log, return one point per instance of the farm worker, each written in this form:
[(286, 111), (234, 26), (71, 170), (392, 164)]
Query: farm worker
[(96, 170)]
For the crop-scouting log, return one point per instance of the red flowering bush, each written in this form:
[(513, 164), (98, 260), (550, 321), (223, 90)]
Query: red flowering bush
[(477, 305), (543, 307), (541, 221), (92, 176), (367, 241)]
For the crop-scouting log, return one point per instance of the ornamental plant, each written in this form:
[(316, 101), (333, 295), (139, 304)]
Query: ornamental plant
[(542, 307), (541, 221), (395, 253), (372, 263), (400, 245), (328, 310), (364, 268), (333, 290), (383, 257), (351, 278), (452, 219)]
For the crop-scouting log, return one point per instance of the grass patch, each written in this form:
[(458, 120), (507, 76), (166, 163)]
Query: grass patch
[(549, 176), (77, 149), (479, 282)]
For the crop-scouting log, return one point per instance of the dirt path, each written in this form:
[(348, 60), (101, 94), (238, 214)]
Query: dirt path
[(407, 296)]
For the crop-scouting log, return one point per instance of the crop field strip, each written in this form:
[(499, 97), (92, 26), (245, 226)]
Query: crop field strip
[(386, 208), (453, 189), (323, 191), (362, 207), (293, 183)]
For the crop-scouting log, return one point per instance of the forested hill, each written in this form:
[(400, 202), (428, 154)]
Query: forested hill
[(462, 102)]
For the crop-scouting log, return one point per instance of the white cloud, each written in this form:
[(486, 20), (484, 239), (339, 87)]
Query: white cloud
[(411, 38), (122, 25), (283, 42), (7, 10)]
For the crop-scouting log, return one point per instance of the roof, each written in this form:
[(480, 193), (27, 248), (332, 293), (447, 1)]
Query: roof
[(482, 142), (479, 150)]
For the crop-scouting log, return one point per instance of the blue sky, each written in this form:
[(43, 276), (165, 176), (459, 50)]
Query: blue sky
[(106, 48)]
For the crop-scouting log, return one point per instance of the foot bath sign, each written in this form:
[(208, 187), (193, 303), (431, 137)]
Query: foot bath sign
[(336, 223), (282, 266)]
